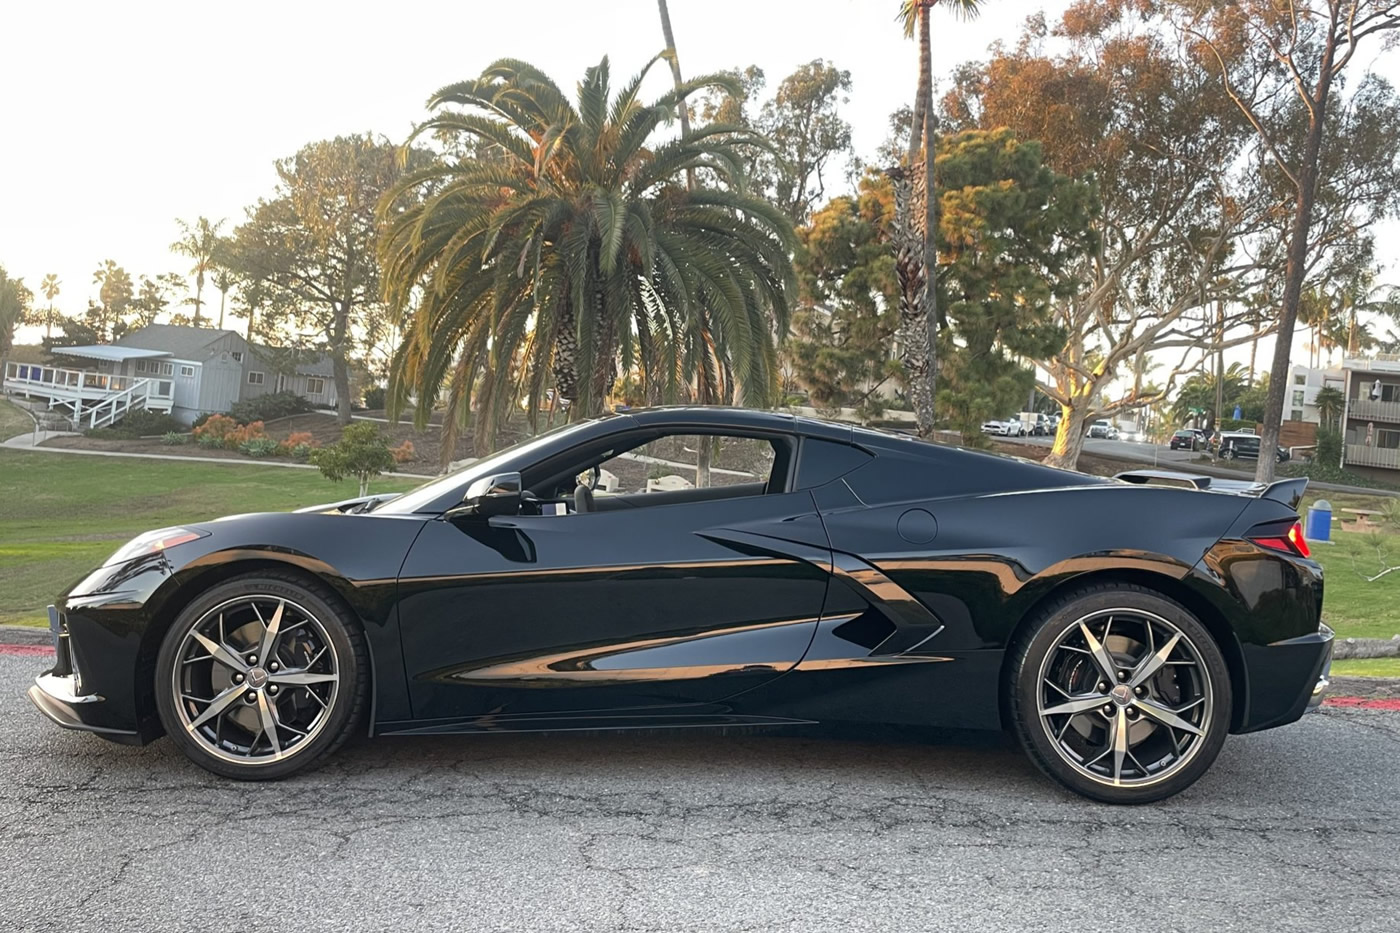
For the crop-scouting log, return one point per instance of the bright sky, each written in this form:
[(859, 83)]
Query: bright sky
[(122, 117)]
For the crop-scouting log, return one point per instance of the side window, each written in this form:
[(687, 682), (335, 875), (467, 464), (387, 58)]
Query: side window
[(677, 462)]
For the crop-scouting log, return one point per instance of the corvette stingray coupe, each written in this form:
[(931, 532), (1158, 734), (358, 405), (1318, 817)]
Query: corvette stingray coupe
[(691, 567)]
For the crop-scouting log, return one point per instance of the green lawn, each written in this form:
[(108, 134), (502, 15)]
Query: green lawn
[(13, 420), (1367, 667), (61, 514)]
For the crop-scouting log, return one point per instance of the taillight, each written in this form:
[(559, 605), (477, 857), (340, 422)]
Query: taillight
[(1291, 542)]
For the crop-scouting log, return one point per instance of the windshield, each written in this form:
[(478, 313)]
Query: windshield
[(417, 499)]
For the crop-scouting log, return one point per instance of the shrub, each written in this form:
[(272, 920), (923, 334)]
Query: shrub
[(302, 439), (138, 422), (199, 422), (212, 430), (260, 447), (236, 438), (374, 397), (361, 452), (1329, 447), (270, 406), (174, 439), (402, 453)]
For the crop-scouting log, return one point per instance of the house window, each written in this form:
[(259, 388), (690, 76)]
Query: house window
[(1390, 440), (1390, 392), (1298, 398), (315, 386), (238, 356), (187, 372), (1295, 415), (167, 369), (1299, 380), (255, 379), (140, 366)]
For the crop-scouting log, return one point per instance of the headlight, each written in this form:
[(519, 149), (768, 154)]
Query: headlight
[(153, 542)]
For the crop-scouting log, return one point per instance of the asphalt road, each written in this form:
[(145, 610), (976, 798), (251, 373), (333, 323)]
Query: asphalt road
[(1295, 829)]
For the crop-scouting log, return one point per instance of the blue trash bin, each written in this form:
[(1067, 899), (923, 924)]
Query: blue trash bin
[(1318, 526)]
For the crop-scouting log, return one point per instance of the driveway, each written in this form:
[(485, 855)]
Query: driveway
[(1295, 829)]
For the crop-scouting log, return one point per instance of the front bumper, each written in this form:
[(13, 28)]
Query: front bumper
[(84, 690)]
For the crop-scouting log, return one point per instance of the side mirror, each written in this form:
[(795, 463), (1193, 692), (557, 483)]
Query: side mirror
[(493, 495)]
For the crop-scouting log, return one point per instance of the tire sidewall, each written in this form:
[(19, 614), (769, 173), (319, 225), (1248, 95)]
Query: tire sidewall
[(1025, 683), (350, 659)]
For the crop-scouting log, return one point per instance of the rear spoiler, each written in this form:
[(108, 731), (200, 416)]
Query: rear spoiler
[(1287, 491)]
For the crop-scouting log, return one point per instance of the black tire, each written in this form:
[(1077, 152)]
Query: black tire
[(1227, 454), (342, 713), (1033, 729)]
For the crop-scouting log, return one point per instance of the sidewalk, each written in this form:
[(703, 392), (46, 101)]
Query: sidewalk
[(27, 442)]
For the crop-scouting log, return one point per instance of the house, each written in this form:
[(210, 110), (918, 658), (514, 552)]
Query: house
[(1304, 384), (185, 371), (1371, 416)]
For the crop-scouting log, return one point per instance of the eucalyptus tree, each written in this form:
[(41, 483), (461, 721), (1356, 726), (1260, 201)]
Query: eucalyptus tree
[(578, 246)]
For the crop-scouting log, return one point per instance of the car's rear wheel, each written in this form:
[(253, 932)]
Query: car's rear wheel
[(1227, 454), (261, 676), (1120, 694)]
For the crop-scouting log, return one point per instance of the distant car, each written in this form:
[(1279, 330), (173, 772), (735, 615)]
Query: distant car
[(1008, 428), (1236, 446), (1103, 429), (1189, 438)]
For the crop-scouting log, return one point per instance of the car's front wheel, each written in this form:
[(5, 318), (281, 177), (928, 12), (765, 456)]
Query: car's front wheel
[(1120, 694), (261, 676)]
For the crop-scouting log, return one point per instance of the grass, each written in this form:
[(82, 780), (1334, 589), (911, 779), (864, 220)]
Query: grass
[(1367, 667), (13, 420), (63, 514)]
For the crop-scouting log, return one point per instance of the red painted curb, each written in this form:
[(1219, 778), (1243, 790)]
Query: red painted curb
[(1363, 703), (27, 651)]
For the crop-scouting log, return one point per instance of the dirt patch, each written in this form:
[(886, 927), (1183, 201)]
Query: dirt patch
[(1088, 463)]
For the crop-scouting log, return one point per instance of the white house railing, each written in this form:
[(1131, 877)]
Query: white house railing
[(1361, 455), (95, 398), (1367, 410)]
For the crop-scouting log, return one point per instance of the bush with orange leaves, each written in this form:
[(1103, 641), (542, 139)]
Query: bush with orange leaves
[(402, 453), (214, 430), (300, 444)]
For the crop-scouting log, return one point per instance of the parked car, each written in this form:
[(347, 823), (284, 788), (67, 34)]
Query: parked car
[(1011, 427), (1237, 446), (1189, 438), (1103, 429), (862, 576), (1035, 423)]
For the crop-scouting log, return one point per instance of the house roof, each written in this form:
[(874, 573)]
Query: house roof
[(110, 352), (176, 339), (308, 362)]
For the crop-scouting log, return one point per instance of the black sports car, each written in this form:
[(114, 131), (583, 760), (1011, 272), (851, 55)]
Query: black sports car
[(716, 567)]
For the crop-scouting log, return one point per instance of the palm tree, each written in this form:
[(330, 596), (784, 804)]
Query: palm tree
[(577, 246), (50, 287), (198, 242), (920, 324), (1329, 402)]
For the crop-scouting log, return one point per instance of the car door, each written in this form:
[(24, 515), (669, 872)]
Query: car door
[(637, 607)]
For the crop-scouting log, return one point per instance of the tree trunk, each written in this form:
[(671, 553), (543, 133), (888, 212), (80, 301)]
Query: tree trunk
[(566, 351), (682, 110), (339, 366), (223, 296), (364, 484), (1219, 361), (1253, 354), (1069, 436), (930, 223), (913, 326), (198, 296), (1295, 269)]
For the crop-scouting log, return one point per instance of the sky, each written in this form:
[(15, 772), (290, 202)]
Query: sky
[(122, 117)]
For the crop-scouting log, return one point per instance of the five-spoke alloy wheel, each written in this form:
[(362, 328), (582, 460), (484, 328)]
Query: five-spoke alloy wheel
[(1121, 694), (260, 676)]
